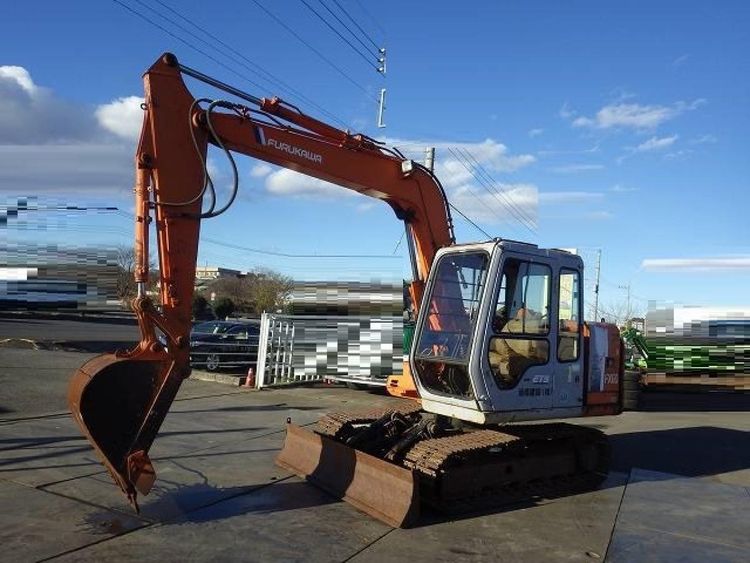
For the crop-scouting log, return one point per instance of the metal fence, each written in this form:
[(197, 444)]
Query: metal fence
[(297, 348)]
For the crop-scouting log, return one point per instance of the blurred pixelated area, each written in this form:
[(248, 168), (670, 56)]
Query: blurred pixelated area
[(698, 346), (41, 268)]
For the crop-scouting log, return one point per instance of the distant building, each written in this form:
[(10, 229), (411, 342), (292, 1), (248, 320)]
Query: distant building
[(204, 275)]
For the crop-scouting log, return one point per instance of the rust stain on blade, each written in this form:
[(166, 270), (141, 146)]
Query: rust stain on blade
[(381, 489)]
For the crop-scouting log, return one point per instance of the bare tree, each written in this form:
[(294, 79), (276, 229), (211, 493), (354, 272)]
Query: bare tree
[(270, 290), (237, 289), (258, 291), (125, 287), (619, 312)]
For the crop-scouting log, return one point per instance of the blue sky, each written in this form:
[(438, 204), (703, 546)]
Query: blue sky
[(622, 127)]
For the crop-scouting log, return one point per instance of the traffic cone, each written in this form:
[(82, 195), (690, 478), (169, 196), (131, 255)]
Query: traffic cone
[(250, 379)]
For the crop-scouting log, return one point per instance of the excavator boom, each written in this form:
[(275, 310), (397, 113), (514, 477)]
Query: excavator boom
[(120, 400)]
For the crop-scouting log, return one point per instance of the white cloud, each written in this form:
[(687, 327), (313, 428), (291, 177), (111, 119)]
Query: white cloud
[(286, 182), (122, 116), (555, 152), (364, 207), (261, 170), (656, 144), (51, 145), (573, 168), (470, 194), (568, 197), (681, 60), (535, 132), (635, 116), (566, 111), (20, 76), (511, 203), (30, 114), (696, 264), (213, 169), (618, 188), (598, 215), (704, 139), (678, 155), (619, 94), (490, 154), (28, 169)]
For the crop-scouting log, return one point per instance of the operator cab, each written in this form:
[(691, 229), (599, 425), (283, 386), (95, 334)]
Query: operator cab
[(499, 335)]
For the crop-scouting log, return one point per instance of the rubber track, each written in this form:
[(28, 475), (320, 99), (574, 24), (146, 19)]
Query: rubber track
[(531, 438), (429, 456)]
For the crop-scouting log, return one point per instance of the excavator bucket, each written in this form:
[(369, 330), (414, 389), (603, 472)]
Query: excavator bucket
[(381, 489), (115, 401)]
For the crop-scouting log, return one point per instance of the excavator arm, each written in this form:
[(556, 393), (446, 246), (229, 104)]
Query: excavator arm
[(120, 400)]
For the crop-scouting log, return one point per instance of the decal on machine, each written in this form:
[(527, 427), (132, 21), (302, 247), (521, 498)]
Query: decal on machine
[(287, 148), (536, 391)]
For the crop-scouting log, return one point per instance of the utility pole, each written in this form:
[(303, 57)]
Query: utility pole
[(429, 158), (381, 109), (627, 311), (596, 287)]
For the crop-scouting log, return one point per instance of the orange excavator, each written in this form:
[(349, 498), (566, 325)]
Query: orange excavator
[(499, 337)]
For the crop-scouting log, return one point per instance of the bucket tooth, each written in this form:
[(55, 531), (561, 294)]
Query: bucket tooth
[(381, 489)]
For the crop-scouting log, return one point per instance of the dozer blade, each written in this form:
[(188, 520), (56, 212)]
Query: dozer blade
[(119, 404), (381, 489)]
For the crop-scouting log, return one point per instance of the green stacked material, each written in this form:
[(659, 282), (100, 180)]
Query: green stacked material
[(687, 358), (686, 355)]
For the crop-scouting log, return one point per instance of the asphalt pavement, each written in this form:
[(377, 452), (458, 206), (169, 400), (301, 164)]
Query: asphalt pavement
[(679, 489), (90, 334)]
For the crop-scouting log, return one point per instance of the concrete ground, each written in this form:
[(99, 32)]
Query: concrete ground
[(679, 489)]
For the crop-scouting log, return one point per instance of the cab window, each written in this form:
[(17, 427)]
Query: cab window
[(568, 341), (452, 307), (521, 321)]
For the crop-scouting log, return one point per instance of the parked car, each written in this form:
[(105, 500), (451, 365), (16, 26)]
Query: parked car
[(205, 327), (212, 327), (233, 344)]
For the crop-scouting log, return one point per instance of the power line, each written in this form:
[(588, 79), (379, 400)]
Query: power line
[(461, 213), (289, 255), (482, 182), (268, 75), (313, 49), (338, 19), (186, 43), (472, 192), (336, 31), (372, 19), (204, 53), (348, 15), (491, 183)]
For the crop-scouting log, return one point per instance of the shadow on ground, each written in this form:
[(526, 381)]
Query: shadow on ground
[(671, 401), (250, 408), (16, 443), (692, 452)]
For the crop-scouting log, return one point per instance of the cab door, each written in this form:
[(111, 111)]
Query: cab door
[(521, 352), (568, 361)]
